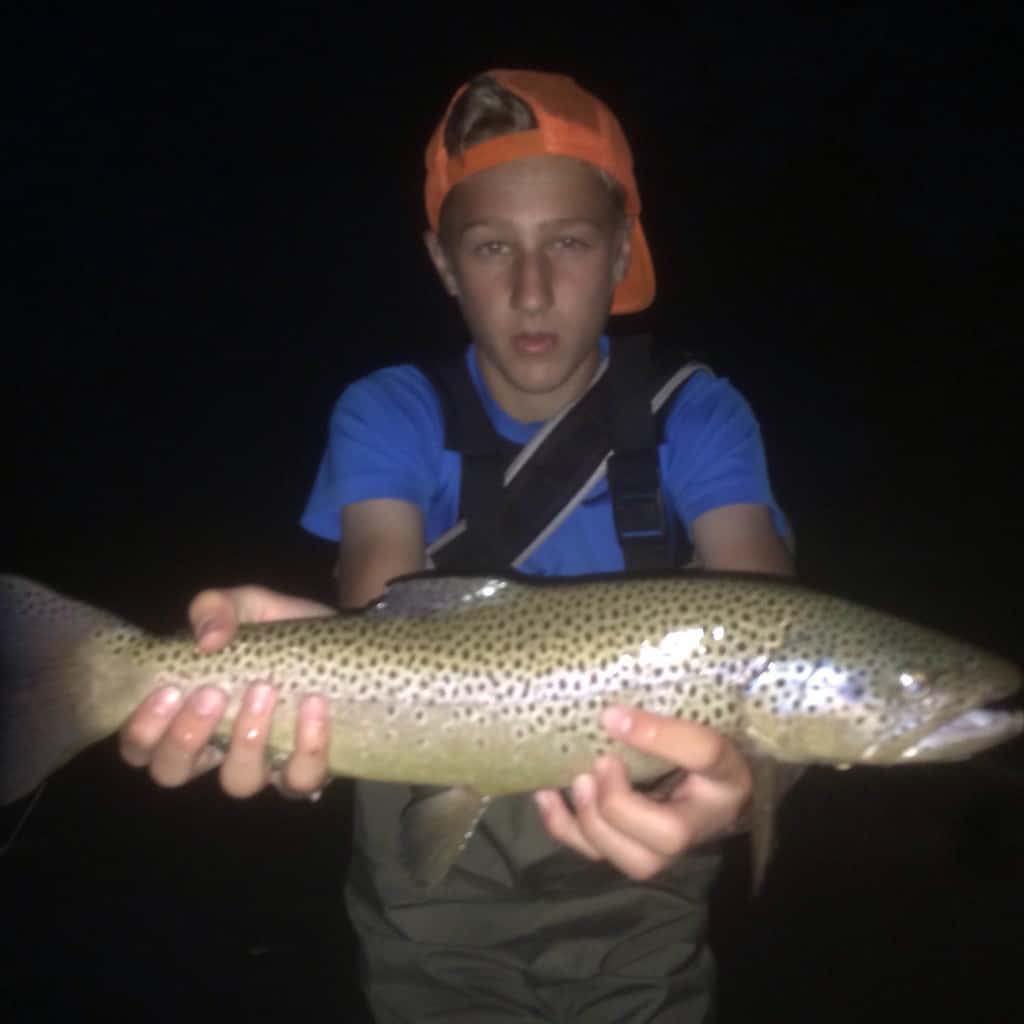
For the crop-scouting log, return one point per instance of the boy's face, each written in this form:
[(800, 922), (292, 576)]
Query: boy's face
[(533, 250)]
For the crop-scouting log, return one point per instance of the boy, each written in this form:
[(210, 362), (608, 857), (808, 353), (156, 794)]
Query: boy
[(535, 231)]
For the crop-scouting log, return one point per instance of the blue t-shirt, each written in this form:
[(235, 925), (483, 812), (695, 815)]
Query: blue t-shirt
[(386, 440)]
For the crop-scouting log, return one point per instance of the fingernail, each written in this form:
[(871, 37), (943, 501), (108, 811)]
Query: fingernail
[(617, 720), (543, 798), (208, 701), (166, 701), (313, 731), (258, 698), (582, 790), (204, 631), (315, 705)]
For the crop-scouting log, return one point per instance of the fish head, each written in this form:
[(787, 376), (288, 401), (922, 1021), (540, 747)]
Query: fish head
[(871, 689)]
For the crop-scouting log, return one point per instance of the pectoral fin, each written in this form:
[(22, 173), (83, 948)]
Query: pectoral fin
[(772, 781), (435, 830)]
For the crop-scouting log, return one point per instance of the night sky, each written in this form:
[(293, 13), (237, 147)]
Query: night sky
[(216, 225)]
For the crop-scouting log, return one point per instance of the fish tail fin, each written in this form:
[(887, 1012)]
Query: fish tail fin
[(45, 685)]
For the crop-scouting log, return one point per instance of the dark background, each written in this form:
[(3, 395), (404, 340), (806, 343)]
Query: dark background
[(215, 225)]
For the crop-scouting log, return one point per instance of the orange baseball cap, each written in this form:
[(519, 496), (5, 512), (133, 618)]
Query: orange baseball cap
[(570, 122)]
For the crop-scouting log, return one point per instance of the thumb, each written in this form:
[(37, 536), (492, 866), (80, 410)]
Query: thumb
[(214, 618), (690, 745)]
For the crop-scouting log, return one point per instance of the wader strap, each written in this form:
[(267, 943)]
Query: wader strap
[(510, 505), (644, 529), (485, 457)]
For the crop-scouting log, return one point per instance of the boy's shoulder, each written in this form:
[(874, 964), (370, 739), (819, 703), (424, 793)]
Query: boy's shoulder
[(395, 401), (388, 387)]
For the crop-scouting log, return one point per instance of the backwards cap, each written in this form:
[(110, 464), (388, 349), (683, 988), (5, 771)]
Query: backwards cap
[(570, 122)]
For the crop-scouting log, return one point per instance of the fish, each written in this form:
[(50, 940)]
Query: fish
[(490, 685)]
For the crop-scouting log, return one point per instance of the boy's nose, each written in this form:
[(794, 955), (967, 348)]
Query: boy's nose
[(531, 287)]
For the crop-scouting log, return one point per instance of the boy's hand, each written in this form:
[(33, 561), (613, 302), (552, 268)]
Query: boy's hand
[(639, 833), (170, 735)]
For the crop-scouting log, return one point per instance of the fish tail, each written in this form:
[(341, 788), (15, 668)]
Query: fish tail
[(45, 685)]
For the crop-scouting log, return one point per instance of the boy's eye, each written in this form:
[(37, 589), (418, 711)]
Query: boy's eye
[(491, 248), (570, 242)]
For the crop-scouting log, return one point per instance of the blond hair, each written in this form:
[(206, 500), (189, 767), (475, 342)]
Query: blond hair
[(487, 110)]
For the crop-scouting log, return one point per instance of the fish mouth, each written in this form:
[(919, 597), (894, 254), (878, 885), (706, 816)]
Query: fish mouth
[(965, 734), (970, 726)]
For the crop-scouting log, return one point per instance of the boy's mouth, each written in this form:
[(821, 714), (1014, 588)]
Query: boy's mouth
[(534, 343)]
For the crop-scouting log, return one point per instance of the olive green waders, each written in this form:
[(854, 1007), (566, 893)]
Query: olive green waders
[(524, 929)]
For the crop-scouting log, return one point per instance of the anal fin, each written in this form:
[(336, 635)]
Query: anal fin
[(435, 829)]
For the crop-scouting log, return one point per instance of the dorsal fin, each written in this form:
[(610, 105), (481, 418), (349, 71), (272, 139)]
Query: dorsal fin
[(427, 594)]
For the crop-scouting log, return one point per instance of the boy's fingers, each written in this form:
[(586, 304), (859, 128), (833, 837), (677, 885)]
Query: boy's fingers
[(619, 847), (306, 771), (689, 745), (562, 825), (139, 736), (244, 770), (177, 754), (656, 827), (214, 617)]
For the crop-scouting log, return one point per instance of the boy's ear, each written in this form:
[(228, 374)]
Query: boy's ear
[(441, 263), (625, 249)]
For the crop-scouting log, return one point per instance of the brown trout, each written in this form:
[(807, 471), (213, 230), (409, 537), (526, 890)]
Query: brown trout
[(495, 685)]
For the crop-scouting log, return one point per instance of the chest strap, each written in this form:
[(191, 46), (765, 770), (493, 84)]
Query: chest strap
[(513, 498)]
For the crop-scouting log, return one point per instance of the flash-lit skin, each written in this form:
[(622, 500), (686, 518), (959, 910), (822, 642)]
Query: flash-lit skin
[(532, 251), (509, 260)]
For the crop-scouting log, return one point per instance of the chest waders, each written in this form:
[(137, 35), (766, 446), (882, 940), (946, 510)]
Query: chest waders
[(524, 929)]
